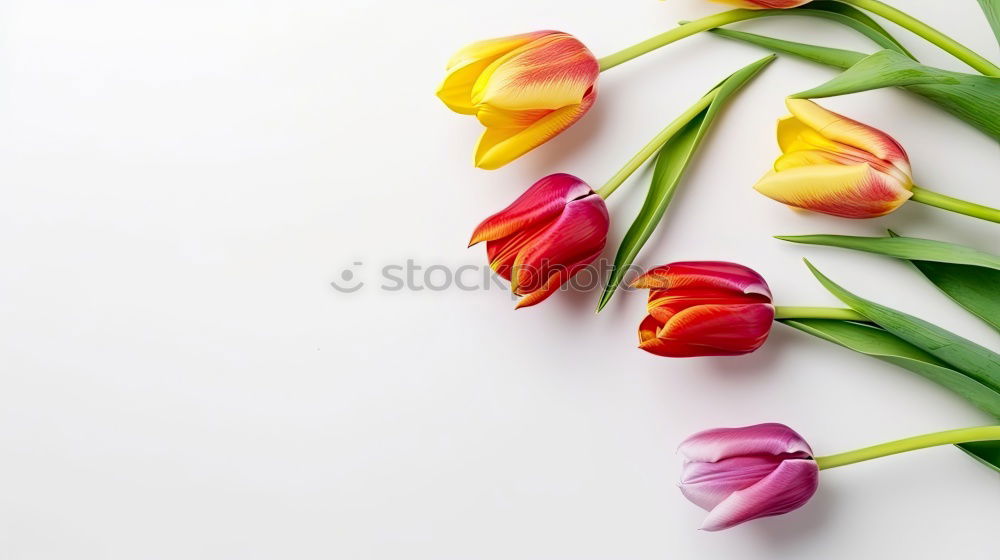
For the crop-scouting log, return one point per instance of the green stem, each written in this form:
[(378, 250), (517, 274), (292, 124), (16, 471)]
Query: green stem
[(680, 32), (939, 200), (783, 312), (964, 435), (655, 144), (920, 28)]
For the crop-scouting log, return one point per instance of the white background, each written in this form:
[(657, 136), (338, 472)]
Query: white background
[(182, 180)]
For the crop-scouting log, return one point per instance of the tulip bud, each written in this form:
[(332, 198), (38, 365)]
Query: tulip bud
[(704, 308), (764, 4), (551, 232), (739, 474), (834, 165), (525, 89)]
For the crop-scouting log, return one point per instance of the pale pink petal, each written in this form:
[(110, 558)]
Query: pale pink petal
[(708, 484), (761, 439), (788, 487)]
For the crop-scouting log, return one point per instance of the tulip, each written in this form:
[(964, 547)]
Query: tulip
[(834, 165), (704, 308), (838, 166), (551, 232), (739, 474), (764, 4), (524, 89)]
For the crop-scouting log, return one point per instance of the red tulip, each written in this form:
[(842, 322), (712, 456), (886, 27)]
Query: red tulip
[(704, 308), (552, 231)]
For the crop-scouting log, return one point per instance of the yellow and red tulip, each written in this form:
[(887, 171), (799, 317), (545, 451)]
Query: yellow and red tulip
[(704, 308), (525, 89), (551, 232), (835, 165), (764, 4)]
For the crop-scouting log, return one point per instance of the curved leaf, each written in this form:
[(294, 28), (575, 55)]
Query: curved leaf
[(992, 10), (860, 17), (671, 162), (975, 361), (879, 343), (973, 98), (910, 248), (986, 452), (838, 58), (966, 275)]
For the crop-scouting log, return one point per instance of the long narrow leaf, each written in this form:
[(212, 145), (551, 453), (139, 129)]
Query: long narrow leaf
[(973, 98), (992, 10), (880, 344), (910, 248), (671, 162), (838, 58), (986, 452), (973, 287), (861, 18), (969, 97), (883, 345), (975, 361), (966, 275)]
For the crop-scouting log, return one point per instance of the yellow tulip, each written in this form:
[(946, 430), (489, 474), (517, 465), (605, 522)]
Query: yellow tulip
[(835, 165), (525, 89)]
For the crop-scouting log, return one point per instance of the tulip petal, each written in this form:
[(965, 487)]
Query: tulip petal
[(555, 281), (850, 191), (499, 146), (728, 329), (579, 231), (770, 438), (706, 274), (549, 73), (764, 4), (848, 131), (468, 63), (786, 488), (664, 304), (491, 117), (708, 484), (542, 202)]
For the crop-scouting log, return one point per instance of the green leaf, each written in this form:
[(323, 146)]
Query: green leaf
[(973, 98), (968, 276), (860, 18), (671, 162), (962, 98), (992, 10), (975, 361), (839, 58), (910, 248), (986, 452), (883, 345)]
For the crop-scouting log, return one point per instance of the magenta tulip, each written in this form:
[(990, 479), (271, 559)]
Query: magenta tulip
[(739, 474)]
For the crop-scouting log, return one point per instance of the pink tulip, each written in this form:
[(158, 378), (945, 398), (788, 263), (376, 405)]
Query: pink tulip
[(739, 474), (551, 232), (764, 4)]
